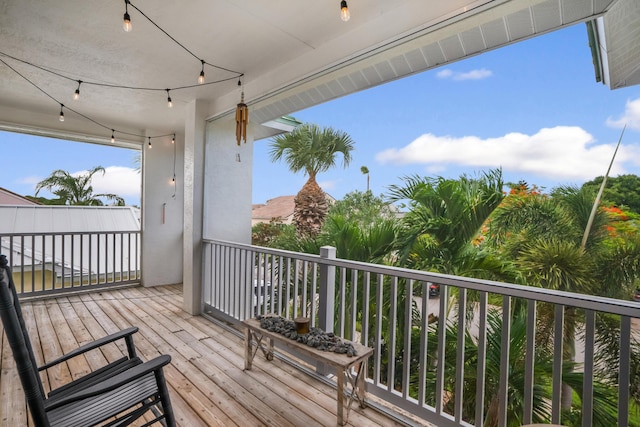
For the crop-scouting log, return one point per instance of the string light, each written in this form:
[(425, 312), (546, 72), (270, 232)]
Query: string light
[(344, 11), (76, 94), (113, 137), (61, 113), (169, 102), (127, 19), (201, 76), (149, 143), (173, 140)]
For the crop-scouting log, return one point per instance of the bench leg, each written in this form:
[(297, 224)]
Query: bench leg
[(249, 353)]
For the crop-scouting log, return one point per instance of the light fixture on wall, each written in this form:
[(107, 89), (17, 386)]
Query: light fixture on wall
[(126, 24), (344, 11)]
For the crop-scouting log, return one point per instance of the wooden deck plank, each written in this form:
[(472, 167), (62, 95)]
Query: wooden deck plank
[(206, 378)]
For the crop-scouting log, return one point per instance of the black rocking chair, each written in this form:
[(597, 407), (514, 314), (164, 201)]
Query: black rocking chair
[(118, 394)]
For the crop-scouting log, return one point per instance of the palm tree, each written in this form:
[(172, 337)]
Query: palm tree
[(445, 218), (76, 190), (365, 171), (604, 391), (313, 150), (542, 236)]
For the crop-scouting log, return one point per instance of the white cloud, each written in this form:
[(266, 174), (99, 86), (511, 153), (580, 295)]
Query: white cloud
[(31, 180), (328, 185), (631, 116), (562, 152), (478, 74), (120, 180)]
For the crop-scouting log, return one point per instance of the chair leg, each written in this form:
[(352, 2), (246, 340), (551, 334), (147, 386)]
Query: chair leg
[(165, 400)]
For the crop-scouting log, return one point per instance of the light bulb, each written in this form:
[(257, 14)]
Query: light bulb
[(344, 11), (126, 24), (149, 143), (169, 102), (76, 94), (61, 113), (113, 137), (173, 140), (201, 76)]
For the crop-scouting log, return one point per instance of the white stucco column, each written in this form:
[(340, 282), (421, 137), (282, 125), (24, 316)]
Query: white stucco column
[(161, 221), (228, 183), (194, 172)]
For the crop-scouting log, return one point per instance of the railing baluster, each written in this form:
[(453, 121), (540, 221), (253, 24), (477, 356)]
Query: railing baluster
[(378, 332), (587, 387), (393, 324), (529, 361), (442, 325), (503, 392), (482, 357), (406, 346), (460, 354), (625, 371), (558, 335), (424, 342)]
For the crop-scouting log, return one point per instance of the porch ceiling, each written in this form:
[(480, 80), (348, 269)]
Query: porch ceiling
[(293, 54)]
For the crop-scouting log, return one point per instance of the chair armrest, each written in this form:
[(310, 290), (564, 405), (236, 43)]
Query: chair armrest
[(112, 383), (125, 333)]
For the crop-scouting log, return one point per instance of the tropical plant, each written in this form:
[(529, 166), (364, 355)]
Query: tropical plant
[(605, 409), (623, 190), (542, 236), (76, 190), (363, 208), (365, 171), (313, 150), (445, 217)]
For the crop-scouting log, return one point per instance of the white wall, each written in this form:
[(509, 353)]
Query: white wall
[(162, 217), (228, 183)]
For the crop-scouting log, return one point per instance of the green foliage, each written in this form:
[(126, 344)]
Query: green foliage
[(623, 190), (267, 234), (311, 149), (363, 208), (445, 217)]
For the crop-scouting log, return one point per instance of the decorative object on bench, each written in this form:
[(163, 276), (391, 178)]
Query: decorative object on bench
[(351, 369), (122, 391), (313, 337)]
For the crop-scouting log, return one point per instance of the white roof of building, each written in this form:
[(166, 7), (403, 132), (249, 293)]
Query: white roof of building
[(67, 219)]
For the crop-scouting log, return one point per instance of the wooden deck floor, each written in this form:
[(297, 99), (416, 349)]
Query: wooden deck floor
[(207, 384)]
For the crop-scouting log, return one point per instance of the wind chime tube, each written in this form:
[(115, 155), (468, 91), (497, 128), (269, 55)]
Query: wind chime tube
[(242, 118)]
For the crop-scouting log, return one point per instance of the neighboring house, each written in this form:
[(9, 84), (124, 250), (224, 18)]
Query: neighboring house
[(278, 207), (48, 244), (10, 198), (281, 207)]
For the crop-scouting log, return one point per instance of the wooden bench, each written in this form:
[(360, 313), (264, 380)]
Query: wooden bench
[(353, 369)]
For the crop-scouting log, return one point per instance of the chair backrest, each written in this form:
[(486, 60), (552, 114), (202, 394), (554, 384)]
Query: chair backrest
[(18, 338)]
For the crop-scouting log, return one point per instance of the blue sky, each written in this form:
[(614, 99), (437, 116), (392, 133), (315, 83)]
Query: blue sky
[(533, 108)]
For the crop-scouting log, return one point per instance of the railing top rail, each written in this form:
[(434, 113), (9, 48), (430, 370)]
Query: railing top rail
[(67, 233), (583, 301)]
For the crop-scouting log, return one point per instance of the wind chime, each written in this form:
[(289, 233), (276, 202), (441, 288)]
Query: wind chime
[(242, 118)]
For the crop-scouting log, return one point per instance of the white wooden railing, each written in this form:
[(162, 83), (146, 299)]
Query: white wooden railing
[(418, 365)]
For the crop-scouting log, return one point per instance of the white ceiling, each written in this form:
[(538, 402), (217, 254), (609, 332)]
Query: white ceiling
[(293, 54)]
